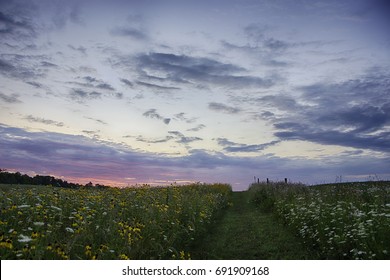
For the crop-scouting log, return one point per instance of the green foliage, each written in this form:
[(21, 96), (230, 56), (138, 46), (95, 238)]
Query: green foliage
[(42, 222), (339, 221), (265, 195)]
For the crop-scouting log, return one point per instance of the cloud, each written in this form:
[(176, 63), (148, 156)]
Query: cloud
[(96, 120), (197, 128), (233, 147), (182, 117), (96, 83), (353, 113), (8, 69), (198, 70), (93, 88), (30, 118), (35, 84), (180, 138), (133, 29), (380, 142), (219, 107), (64, 12), (130, 32), (81, 95), (80, 49), (81, 158), (127, 82), (258, 39), (10, 98), (48, 64), (16, 26), (155, 86), (153, 141), (152, 113)]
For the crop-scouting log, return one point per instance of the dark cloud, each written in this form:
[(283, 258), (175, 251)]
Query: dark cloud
[(10, 98), (6, 66), (80, 49), (16, 26), (20, 66), (233, 147), (180, 138), (197, 128), (182, 117), (81, 95), (152, 113), (48, 64), (130, 32), (153, 141), (96, 120), (199, 71), (379, 142), (134, 28), (35, 84), (127, 82), (155, 86), (353, 113), (82, 158), (96, 83), (219, 107), (93, 88), (31, 118), (105, 86)]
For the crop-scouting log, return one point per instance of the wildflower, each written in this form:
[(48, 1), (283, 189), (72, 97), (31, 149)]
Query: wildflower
[(24, 239), (123, 257), (68, 229), (39, 224), (88, 250), (55, 208), (6, 243)]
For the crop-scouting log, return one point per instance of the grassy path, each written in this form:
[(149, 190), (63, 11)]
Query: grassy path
[(244, 232)]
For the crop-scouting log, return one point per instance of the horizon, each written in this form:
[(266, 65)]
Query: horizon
[(150, 92)]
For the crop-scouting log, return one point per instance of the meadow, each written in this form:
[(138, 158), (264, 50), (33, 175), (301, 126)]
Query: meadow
[(336, 221), (45, 222), (198, 221)]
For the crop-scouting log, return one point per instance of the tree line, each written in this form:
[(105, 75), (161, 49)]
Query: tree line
[(23, 179)]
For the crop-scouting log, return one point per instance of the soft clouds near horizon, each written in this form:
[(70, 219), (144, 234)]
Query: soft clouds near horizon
[(154, 92)]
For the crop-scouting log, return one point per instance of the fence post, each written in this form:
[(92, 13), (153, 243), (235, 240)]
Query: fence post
[(285, 180), (267, 181)]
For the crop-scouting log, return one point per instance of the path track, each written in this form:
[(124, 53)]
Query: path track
[(244, 232)]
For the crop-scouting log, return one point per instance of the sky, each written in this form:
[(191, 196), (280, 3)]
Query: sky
[(157, 92)]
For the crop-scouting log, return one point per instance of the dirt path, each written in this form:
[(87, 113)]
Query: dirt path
[(244, 232)]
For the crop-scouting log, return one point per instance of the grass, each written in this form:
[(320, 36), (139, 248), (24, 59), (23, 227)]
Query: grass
[(246, 232)]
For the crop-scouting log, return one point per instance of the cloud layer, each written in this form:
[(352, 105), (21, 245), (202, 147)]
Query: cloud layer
[(217, 91)]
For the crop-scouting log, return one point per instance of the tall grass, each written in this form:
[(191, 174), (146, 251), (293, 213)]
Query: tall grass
[(42, 222), (339, 221)]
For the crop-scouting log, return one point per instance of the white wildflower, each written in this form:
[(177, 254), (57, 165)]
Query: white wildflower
[(39, 224), (24, 238), (24, 206), (68, 229)]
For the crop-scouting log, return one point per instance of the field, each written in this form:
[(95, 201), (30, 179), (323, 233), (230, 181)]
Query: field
[(339, 221), (44, 222), (199, 221)]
